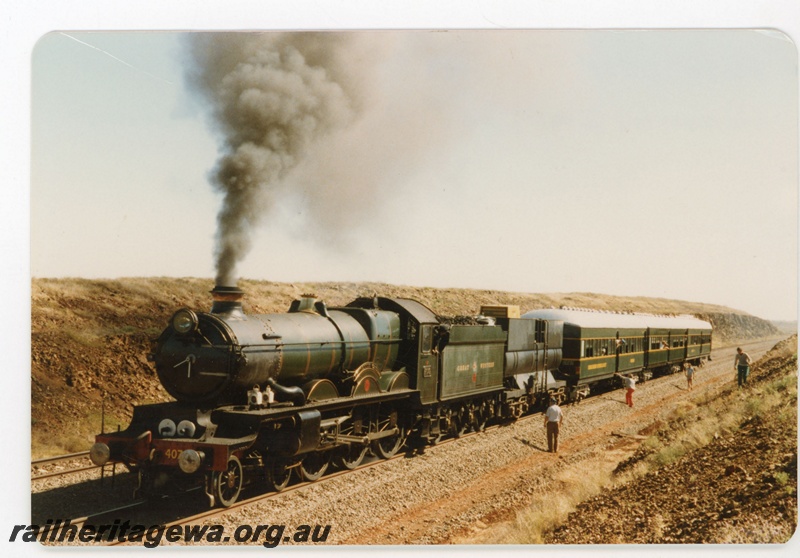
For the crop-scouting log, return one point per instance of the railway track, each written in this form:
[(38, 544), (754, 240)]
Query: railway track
[(59, 458), (78, 456)]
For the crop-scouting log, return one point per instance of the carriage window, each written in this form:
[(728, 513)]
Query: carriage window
[(427, 339)]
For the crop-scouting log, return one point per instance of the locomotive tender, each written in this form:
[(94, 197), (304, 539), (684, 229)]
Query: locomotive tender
[(260, 396)]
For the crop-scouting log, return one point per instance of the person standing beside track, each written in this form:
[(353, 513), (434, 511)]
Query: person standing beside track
[(741, 363), (553, 417), (629, 383), (689, 374)]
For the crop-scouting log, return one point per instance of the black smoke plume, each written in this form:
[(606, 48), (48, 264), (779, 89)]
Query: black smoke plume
[(272, 96)]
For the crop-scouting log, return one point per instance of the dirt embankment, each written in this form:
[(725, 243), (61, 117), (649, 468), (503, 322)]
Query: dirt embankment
[(741, 487), (733, 327), (90, 338)]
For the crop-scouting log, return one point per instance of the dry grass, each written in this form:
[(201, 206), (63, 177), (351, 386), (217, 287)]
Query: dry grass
[(572, 486), (668, 455), (721, 416), (46, 446), (79, 437)]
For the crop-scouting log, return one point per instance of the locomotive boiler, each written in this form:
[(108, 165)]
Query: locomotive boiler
[(218, 357)]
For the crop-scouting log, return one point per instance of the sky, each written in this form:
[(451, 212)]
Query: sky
[(657, 163), (639, 153)]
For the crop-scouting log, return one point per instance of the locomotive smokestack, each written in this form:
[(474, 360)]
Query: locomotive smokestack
[(226, 300)]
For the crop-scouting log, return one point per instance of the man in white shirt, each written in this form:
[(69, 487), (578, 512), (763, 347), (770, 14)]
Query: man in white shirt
[(553, 417)]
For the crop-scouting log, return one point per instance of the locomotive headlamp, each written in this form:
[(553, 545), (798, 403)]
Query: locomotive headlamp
[(99, 454), (184, 321), (186, 428), (167, 428), (190, 460)]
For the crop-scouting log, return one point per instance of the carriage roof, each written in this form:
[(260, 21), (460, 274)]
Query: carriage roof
[(612, 320)]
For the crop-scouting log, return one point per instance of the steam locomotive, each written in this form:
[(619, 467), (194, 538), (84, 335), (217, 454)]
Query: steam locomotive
[(262, 397)]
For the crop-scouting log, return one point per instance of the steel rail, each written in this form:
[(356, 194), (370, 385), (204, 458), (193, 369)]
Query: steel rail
[(58, 458), (61, 473)]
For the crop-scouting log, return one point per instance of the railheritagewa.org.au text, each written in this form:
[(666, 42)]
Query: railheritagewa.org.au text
[(270, 536)]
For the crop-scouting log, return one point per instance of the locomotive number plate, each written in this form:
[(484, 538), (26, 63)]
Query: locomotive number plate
[(171, 454)]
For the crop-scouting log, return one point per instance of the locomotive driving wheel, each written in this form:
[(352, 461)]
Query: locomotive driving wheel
[(228, 483), (350, 456), (388, 446), (314, 465), (278, 475)]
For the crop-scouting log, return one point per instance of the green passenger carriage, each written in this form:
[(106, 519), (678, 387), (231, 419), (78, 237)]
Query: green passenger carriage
[(598, 345)]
